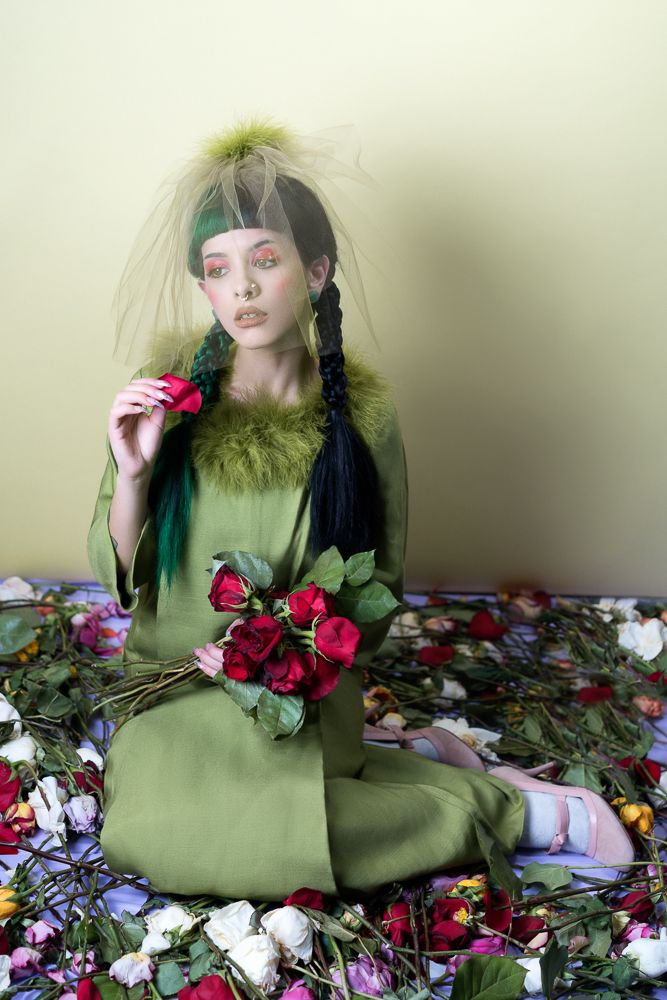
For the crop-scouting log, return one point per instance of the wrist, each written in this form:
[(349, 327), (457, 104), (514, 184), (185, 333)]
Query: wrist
[(137, 484)]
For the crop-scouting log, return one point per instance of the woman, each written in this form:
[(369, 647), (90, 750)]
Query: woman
[(297, 447)]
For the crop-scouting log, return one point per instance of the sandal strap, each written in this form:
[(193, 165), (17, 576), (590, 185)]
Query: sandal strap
[(562, 824)]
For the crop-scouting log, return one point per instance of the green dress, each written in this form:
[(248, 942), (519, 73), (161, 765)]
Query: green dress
[(198, 798)]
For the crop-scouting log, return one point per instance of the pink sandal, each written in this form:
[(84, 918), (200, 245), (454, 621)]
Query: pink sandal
[(449, 748), (608, 841)]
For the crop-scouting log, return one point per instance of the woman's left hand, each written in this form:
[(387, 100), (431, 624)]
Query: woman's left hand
[(209, 659)]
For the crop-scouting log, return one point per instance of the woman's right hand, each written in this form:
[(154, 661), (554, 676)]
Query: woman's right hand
[(135, 436)]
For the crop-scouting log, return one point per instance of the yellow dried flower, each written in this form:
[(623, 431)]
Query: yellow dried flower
[(28, 651), (637, 816), (9, 901)]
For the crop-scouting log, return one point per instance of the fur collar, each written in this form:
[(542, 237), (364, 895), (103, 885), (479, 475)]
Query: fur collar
[(263, 443)]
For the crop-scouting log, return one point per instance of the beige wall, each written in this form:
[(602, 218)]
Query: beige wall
[(522, 149)]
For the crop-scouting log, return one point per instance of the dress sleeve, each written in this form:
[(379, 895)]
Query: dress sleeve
[(390, 461), (101, 552)]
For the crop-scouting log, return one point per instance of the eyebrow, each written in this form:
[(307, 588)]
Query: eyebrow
[(253, 247)]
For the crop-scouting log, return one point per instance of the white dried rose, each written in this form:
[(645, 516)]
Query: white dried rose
[(258, 956), (453, 691), (625, 606), (649, 954), (230, 924), (23, 748), (135, 967), (5, 966), (13, 588), (89, 756), (170, 918), (293, 932), (476, 738), (646, 640), (47, 801), (154, 943), (9, 713)]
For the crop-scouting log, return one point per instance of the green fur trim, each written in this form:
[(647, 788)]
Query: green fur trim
[(237, 142), (264, 443)]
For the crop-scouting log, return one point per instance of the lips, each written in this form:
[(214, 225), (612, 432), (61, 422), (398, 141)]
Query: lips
[(255, 321)]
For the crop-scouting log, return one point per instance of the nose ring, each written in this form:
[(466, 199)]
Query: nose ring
[(245, 297)]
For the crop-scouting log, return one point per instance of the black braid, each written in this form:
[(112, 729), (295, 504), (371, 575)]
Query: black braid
[(345, 508), (172, 483)]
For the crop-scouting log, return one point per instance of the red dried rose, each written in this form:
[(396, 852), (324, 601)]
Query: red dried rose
[(211, 987), (435, 656), (89, 780), (396, 923), (638, 903), (288, 674), (646, 770), (9, 787), (229, 590), (304, 896), (498, 911), (483, 626), (7, 837), (305, 605), (593, 695), (525, 928), (256, 637), (87, 990), (337, 639)]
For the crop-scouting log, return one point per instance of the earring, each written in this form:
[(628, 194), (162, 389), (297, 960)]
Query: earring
[(313, 295)]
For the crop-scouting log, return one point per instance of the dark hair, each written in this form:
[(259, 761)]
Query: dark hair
[(344, 506)]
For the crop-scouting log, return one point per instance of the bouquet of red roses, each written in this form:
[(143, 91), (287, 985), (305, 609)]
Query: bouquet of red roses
[(285, 647)]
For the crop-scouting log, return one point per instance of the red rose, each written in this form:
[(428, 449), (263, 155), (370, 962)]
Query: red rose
[(657, 677), (638, 903), (89, 780), (9, 787), (647, 771), (448, 935), (483, 626), (229, 590), (208, 988), (305, 605), (435, 656), (87, 990), (448, 908), (498, 911), (592, 695), (186, 395), (396, 923), (255, 637), (236, 664), (324, 679), (284, 676), (7, 837), (312, 898), (525, 928), (337, 639)]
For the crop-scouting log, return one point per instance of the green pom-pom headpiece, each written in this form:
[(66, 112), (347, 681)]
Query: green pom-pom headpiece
[(237, 142)]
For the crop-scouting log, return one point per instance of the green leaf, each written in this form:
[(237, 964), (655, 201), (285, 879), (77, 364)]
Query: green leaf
[(368, 603), (594, 923), (244, 693), (14, 634), (53, 704), (328, 571), (624, 973), (132, 930), (109, 989), (201, 959), (169, 979), (531, 729), (594, 719), (582, 775), (552, 963), (280, 714), (359, 567), (487, 977), (247, 564), (329, 925), (552, 877), (57, 674)]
